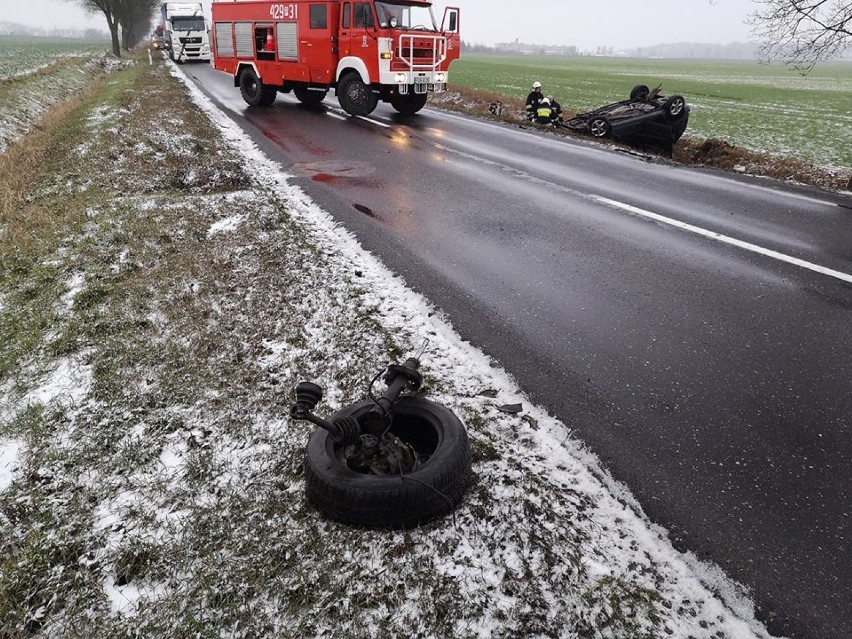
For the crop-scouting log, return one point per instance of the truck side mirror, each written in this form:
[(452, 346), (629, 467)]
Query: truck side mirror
[(451, 20)]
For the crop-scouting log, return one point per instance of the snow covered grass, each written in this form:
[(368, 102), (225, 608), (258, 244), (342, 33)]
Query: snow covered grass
[(39, 78), (24, 55), (153, 480)]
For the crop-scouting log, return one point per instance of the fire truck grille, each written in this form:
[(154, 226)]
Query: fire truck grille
[(190, 40), (423, 53)]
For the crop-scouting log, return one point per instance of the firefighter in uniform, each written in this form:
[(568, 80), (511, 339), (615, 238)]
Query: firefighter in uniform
[(544, 113), (533, 100), (557, 111)]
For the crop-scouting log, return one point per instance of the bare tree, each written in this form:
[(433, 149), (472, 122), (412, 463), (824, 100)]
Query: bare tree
[(132, 16), (108, 8), (135, 18), (802, 32)]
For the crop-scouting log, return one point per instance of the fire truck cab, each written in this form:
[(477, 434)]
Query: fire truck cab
[(366, 50)]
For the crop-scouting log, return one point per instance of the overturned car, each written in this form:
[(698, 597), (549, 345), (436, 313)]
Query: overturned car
[(647, 118)]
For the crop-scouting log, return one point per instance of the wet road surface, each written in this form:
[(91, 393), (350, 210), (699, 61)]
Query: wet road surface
[(694, 328)]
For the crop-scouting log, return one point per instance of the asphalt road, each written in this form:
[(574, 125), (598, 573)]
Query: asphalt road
[(694, 328)]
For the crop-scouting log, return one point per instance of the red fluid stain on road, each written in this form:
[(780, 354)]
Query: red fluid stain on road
[(294, 142), (323, 177), (275, 139)]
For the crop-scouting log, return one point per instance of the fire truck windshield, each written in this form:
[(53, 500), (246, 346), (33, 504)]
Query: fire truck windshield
[(188, 23), (400, 15)]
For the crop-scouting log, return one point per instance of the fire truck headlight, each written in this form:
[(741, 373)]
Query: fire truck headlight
[(440, 77), (401, 78)]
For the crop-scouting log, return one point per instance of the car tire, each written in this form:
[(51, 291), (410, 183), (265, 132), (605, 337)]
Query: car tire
[(639, 92), (355, 97), (307, 96), (599, 127), (675, 107), (409, 103), (433, 489)]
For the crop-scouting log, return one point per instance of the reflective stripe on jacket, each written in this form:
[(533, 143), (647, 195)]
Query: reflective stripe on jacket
[(544, 113)]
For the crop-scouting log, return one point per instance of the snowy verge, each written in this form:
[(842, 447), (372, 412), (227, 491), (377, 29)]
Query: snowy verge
[(622, 534)]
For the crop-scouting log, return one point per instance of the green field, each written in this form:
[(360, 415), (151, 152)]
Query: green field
[(760, 107), (23, 54)]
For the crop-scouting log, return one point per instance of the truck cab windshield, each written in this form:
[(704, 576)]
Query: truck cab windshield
[(399, 15), (188, 23)]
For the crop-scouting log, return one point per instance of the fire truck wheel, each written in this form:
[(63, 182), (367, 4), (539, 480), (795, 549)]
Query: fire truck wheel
[(410, 103), (268, 95), (306, 96), (432, 489), (355, 97), (251, 88)]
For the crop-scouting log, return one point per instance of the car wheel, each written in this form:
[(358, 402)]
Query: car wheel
[(639, 92), (432, 489), (675, 107), (251, 88), (599, 127), (355, 97), (307, 96), (409, 103)]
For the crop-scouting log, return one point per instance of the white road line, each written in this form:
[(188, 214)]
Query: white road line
[(725, 239), (776, 193), (372, 121)]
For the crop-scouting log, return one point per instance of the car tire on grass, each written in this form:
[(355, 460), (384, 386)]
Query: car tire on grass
[(599, 127), (432, 489), (675, 107)]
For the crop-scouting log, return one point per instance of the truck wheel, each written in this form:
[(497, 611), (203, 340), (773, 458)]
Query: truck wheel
[(251, 88), (355, 97), (432, 489), (409, 103), (267, 95), (307, 96)]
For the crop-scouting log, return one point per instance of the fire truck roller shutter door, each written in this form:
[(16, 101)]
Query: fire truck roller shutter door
[(224, 39), (287, 41)]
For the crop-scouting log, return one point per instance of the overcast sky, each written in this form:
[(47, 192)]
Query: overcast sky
[(617, 23)]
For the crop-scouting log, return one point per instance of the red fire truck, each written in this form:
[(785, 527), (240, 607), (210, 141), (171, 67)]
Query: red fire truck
[(366, 50)]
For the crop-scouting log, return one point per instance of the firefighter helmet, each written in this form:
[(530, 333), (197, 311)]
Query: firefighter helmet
[(536, 85)]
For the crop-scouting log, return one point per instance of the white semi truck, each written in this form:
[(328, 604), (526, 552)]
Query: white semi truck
[(185, 31)]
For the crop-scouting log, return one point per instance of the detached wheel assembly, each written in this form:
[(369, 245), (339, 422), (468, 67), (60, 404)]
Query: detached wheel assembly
[(385, 462), (355, 489)]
